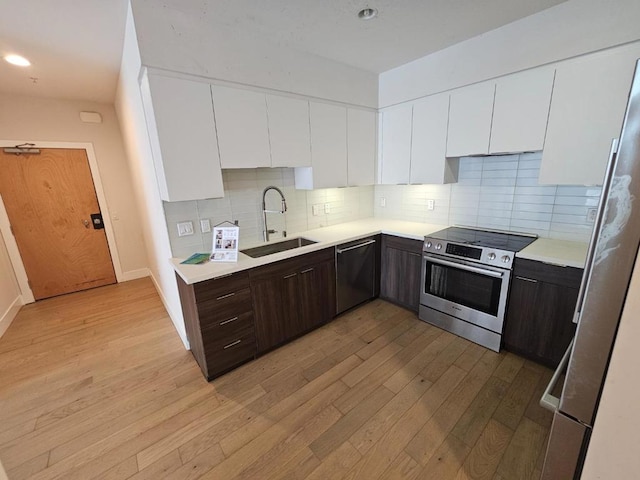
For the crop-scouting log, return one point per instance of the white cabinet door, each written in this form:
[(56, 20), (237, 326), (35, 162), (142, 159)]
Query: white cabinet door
[(396, 145), (521, 110), (182, 133), (328, 148), (241, 120), (429, 141), (470, 120), (361, 147), (289, 131), (587, 110)]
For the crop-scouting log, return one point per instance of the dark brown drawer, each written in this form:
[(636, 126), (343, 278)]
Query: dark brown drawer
[(401, 243), (227, 328), (291, 265), (222, 356), (231, 305), (545, 272), (220, 288)]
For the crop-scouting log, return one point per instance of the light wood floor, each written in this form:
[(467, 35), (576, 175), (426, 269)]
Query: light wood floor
[(98, 385)]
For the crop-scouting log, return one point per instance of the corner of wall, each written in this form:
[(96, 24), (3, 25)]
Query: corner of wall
[(10, 314)]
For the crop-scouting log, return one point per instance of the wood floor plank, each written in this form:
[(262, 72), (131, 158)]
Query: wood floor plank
[(298, 468), (335, 436), (483, 460), (509, 368), (160, 469), (336, 464), (517, 398), (447, 460), (519, 459)]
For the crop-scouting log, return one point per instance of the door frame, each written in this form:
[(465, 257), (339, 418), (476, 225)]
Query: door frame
[(5, 228)]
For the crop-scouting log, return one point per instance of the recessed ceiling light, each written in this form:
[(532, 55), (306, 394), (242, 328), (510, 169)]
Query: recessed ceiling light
[(367, 13), (17, 60)]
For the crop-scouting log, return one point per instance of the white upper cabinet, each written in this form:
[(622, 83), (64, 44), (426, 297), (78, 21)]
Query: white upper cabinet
[(243, 134), (182, 133), (429, 141), (328, 148), (289, 131), (470, 114), (396, 145), (587, 110), (361, 147), (521, 110)]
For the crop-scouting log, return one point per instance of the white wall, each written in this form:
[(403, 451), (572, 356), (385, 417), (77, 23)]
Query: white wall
[(40, 119), (182, 40), (10, 301), (615, 442), (134, 131), (569, 29)]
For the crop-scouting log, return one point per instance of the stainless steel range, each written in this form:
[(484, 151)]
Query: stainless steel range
[(465, 281)]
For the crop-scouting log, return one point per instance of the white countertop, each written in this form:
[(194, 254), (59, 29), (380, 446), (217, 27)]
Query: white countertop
[(325, 236), (558, 252)]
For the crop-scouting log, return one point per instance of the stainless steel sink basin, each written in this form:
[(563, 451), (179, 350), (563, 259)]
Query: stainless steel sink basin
[(271, 248)]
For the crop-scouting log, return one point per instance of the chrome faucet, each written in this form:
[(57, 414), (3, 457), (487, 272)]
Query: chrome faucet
[(267, 231)]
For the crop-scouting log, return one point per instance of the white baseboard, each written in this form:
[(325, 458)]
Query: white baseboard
[(184, 339), (9, 315), (135, 274)]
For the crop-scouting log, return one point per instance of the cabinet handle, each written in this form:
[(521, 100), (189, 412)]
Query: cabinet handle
[(290, 275), (229, 321), (308, 270), (226, 296), (526, 279), (232, 344)]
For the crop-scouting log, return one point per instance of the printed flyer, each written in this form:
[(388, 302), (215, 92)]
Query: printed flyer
[(225, 243)]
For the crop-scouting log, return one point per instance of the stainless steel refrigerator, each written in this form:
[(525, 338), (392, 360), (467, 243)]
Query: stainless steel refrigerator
[(610, 261)]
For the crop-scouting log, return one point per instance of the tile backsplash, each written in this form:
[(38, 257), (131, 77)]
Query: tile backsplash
[(243, 202), (497, 192)]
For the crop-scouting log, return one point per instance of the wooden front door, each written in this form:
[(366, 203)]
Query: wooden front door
[(49, 198)]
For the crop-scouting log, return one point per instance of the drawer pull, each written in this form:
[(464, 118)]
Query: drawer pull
[(232, 344), (228, 321), (308, 270), (290, 275), (526, 279), (226, 296)]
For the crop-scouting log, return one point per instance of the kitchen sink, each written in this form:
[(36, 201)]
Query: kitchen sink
[(271, 248)]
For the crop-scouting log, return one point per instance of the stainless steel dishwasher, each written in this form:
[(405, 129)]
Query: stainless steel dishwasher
[(356, 273)]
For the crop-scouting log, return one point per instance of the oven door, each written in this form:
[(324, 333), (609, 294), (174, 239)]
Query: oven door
[(469, 291)]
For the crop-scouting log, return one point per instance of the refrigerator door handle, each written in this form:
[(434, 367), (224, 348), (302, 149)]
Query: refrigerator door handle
[(608, 177), (548, 401)]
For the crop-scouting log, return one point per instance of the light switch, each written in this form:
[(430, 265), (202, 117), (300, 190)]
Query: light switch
[(185, 228), (327, 208), (205, 225), (431, 204), (315, 209), (383, 202)]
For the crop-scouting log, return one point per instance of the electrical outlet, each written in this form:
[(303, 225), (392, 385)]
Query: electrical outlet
[(383, 202), (591, 215), (185, 228), (205, 225), (431, 204), (315, 209), (327, 208)]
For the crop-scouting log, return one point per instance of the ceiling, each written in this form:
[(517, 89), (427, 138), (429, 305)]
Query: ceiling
[(75, 45)]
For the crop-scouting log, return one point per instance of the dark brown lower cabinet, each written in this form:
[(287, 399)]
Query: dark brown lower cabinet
[(219, 322), (292, 296), (400, 271), (542, 299)]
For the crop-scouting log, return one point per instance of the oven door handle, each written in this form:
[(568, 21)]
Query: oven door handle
[(462, 266), (547, 400)]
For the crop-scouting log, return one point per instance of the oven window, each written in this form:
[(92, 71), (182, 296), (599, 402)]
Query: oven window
[(473, 290)]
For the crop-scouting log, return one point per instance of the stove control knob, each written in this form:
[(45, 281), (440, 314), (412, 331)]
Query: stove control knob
[(491, 256), (429, 244), (438, 246), (506, 259)]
